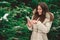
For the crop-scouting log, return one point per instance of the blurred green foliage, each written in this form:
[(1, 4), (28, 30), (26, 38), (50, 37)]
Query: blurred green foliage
[(13, 26)]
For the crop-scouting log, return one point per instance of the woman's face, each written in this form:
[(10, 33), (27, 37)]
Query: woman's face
[(39, 10)]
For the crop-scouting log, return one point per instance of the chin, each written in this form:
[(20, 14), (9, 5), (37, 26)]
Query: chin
[(39, 14)]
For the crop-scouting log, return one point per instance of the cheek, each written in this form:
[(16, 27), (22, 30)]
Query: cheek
[(39, 11)]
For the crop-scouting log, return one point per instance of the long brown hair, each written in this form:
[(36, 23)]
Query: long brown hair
[(44, 10)]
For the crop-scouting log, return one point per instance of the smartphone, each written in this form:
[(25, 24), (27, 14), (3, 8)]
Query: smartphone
[(28, 18)]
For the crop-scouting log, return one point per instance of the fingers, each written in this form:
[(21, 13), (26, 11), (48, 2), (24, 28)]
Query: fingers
[(34, 21), (29, 25)]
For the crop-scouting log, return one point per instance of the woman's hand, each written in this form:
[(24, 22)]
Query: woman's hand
[(34, 21), (30, 23)]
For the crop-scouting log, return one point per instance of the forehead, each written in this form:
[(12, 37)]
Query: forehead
[(39, 7)]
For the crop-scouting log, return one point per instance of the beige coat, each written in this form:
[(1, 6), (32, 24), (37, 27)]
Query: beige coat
[(40, 30)]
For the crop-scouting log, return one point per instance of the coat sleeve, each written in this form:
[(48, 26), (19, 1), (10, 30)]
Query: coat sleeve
[(30, 28), (44, 28)]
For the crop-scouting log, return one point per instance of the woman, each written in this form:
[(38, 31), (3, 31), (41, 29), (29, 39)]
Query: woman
[(41, 22)]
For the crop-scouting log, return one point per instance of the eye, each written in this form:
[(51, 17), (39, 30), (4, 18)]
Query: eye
[(39, 9)]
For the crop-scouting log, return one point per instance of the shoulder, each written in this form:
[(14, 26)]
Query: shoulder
[(50, 16)]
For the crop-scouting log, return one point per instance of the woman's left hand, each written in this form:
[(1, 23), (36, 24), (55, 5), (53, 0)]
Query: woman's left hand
[(34, 21)]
